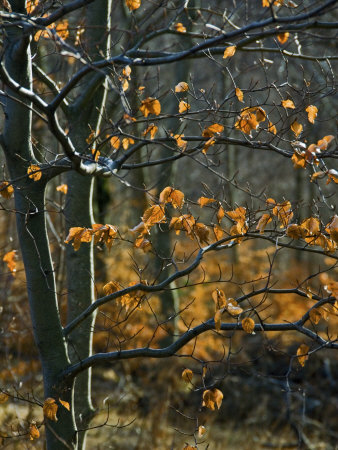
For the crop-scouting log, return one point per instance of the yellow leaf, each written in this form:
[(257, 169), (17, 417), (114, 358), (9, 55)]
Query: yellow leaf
[(202, 201), (297, 128), (295, 231), (152, 130), (180, 27), (229, 51), (315, 315), (311, 225), (186, 222), (302, 354), (202, 232), (124, 84), (34, 433), (210, 142), (3, 397), (238, 214), (217, 319), (34, 172), (332, 228), (248, 325), (78, 235), (288, 104), (323, 143), (299, 160), (239, 95), (153, 215), (182, 87), (311, 113), (150, 106), (272, 128), (218, 232), (143, 244), (262, 223), (283, 37), (212, 130), (173, 196), (283, 212), (219, 298), (332, 175), (126, 142), (201, 431), (111, 287), (64, 404), (126, 71), (220, 214), (62, 188), (189, 447), (50, 409), (62, 29), (133, 4), (9, 259), (6, 189), (233, 308), (212, 398), (187, 375), (115, 142), (183, 107), (181, 143)]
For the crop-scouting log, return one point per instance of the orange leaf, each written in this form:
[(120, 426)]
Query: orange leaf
[(202, 201), (218, 232), (133, 4), (62, 188), (295, 231), (202, 232), (229, 51), (233, 308), (272, 128), (182, 87), (299, 160), (9, 259), (34, 433), (201, 430), (297, 128), (78, 235), (311, 113), (220, 214), (150, 106), (332, 228), (212, 130), (302, 354), (210, 142), (219, 298), (50, 409), (34, 172), (3, 397), (262, 223), (64, 404), (238, 215), (6, 189), (212, 398), (173, 196), (153, 215), (288, 104), (283, 37), (111, 287), (152, 130), (181, 143), (183, 107), (315, 315), (187, 375), (217, 319), (180, 27), (248, 325), (115, 142), (239, 95), (126, 142)]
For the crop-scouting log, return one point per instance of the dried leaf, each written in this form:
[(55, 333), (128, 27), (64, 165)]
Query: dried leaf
[(220, 214), (332, 228), (233, 308), (283, 37), (201, 431), (62, 188), (187, 375), (150, 106), (152, 130), (6, 189), (182, 87), (212, 398), (217, 319), (302, 354), (181, 143), (315, 315), (299, 160), (34, 433), (312, 112), (272, 128), (153, 215), (133, 4), (183, 107), (64, 404), (180, 27), (202, 232), (219, 298), (288, 104), (115, 142), (213, 129), (111, 287), (239, 94), (9, 259), (203, 201), (173, 196), (126, 142), (248, 325), (34, 172), (218, 232), (208, 144), (262, 223), (229, 52), (3, 397), (295, 231), (50, 409)]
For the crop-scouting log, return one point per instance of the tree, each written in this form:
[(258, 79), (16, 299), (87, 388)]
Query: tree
[(77, 120)]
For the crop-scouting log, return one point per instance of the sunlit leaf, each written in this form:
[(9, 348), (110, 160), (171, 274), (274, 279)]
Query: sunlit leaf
[(34, 172), (126, 142), (64, 404), (219, 298), (288, 104), (272, 128), (212, 398), (185, 222), (220, 214), (187, 375), (62, 188), (233, 308), (180, 27), (283, 37), (229, 51), (181, 143), (115, 142), (332, 228), (202, 232), (210, 142), (50, 409), (150, 106), (332, 175), (173, 196), (217, 319), (183, 107), (302, 354), (203, 201), (218, 232), (133, 4), (312, 112), (239, 94), (295, 231), (111, 287), (3, 397), (151, 130), (248, 325), (9, 259), (299, 160), (311, 225), (262, 223), (201, 430), (153, 215), (33, 433), (213, 129), (182, 87), (6, 189), (315, 315)]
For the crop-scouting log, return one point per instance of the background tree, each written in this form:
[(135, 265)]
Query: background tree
[(73, 108)]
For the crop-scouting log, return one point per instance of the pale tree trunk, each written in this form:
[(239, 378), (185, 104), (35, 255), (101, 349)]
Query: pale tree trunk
[(84, 115), (33, 240)]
